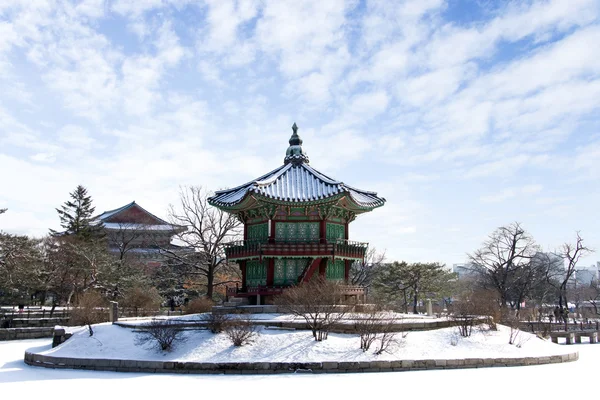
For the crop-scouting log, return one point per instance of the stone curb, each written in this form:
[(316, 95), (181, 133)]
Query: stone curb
[(251, 368)]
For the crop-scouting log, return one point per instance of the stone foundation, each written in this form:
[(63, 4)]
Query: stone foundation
[(247, 368)]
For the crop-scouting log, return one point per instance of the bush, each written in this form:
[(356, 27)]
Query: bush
[(376, 326), (319, 302), (199, 306), (90, 310), (143, 301), (162, 333), (465, 323), (216, 322), (240, 331), (474, 304)]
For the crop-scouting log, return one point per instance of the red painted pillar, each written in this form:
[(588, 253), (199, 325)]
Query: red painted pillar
[(270, 271), (323, 231), (323, 267), (347, 265)]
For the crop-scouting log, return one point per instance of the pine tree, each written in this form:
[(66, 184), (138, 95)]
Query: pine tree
[(76, 216)]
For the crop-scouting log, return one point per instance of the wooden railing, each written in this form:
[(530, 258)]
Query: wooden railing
[(259, 248)]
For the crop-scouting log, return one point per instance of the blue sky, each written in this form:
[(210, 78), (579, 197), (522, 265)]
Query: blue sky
[(464, 115)]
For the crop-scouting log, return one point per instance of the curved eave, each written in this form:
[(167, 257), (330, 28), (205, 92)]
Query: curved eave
[(294, 185), (365, 200)]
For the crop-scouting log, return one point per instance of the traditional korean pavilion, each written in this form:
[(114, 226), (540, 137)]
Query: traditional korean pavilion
[(295, 226), (133, 231)]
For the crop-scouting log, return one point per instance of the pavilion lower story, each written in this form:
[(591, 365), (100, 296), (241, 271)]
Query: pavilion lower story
[(264, 279)]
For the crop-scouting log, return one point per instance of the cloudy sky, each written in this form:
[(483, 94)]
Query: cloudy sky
[(464, 114)]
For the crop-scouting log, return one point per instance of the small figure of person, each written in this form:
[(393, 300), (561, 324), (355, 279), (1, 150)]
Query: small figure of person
[(557, 314), (565, 315)]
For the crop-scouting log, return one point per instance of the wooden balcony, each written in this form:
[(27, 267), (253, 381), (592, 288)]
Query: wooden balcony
[(251, 249)]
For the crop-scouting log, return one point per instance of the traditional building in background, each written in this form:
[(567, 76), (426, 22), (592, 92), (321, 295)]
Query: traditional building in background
[(296, 223), (131, 231)]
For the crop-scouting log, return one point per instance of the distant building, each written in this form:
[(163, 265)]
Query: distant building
[(464, 270), (132, 231), (585, 276)]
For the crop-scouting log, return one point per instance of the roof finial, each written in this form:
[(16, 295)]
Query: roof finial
[(294, 153)]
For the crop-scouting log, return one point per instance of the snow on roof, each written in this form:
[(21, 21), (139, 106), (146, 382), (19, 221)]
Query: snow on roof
[(159, 223), (138, 227), (108, 214), (297, 183)]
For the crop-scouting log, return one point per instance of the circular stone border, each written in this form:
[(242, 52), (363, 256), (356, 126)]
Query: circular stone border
[(247, 368)]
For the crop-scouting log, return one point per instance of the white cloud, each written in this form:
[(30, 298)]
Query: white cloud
[(512, 192), (301, 33), (76, 137)]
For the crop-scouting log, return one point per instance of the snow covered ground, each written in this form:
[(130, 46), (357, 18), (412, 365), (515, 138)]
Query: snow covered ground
[(544, 381), (277, 345)]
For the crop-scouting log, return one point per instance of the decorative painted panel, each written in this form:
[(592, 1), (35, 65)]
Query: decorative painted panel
[(256, 273), (296, 231), (288, 270), (335, 270), (335, 231), (258, 232)]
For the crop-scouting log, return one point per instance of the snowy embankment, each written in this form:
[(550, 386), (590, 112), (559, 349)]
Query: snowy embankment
[(276, 345)]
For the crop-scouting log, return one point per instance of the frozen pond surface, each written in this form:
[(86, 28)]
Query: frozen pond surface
[(544, 381)]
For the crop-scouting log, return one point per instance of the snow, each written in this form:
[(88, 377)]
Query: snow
[(279, 345), (117, 226), (295, 183), (544, 381)]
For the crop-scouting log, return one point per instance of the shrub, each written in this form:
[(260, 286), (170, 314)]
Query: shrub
[(90, 310), (385, 339), (142, 301), (464, 323), (471, 306), (216, 322), (162, 333), (319, 302), (199, 306), (240, 331)]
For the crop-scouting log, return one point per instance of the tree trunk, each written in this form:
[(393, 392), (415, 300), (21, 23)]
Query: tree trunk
[(415, 302), (210, 278)]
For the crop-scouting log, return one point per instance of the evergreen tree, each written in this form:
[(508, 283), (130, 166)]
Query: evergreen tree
[(76, 216)]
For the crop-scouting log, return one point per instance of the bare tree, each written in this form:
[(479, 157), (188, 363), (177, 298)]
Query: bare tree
[(208, 229), (594, 296), (126, 237), (362, 273), (571, 253), (319, 302), (503, 257)]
